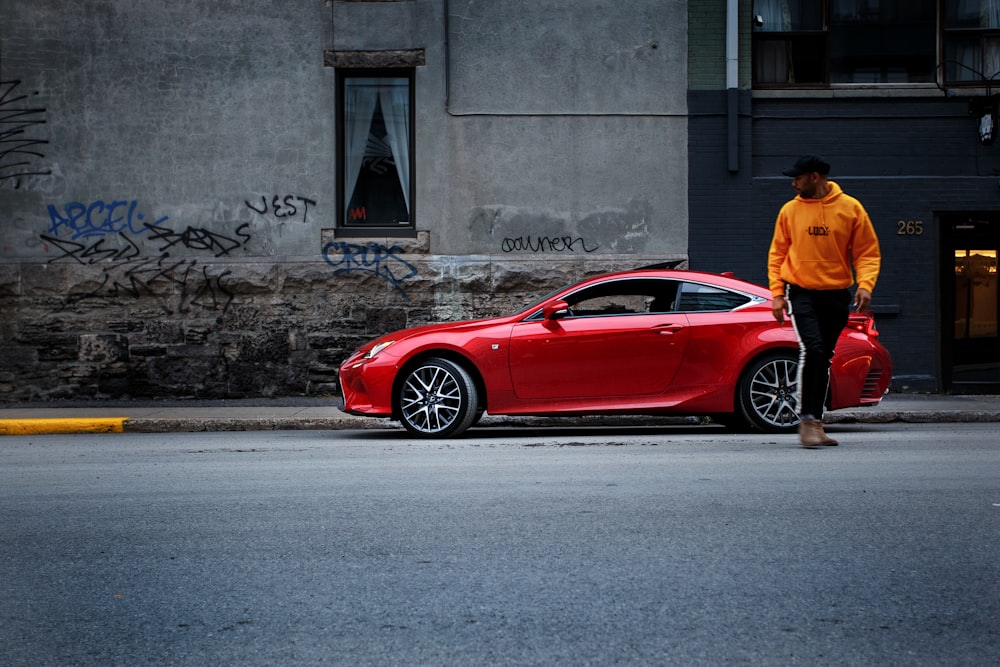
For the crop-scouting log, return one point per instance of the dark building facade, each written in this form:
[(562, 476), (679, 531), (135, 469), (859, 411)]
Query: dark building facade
[(899, 97)]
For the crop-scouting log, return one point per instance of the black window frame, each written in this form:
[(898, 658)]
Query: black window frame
[(954, 72), (343, 227), (810, 48)]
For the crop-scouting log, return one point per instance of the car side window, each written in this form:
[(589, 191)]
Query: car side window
[(624, 297), (612, 304), (695, 297)]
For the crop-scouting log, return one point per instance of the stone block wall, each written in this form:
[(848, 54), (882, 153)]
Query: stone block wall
[(223, 328)]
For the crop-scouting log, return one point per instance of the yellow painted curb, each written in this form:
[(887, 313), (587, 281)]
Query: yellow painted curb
[(52, 426)]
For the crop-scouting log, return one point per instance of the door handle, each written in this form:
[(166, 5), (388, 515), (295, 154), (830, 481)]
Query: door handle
[(667, 329)]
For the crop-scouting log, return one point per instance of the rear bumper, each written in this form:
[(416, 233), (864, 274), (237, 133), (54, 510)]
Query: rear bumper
[(862, 373)]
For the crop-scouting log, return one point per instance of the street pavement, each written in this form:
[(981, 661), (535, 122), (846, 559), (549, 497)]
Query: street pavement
[(323, 414)]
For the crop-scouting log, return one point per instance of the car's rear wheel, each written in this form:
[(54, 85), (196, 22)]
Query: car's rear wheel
[(767, 397), (437, 399)]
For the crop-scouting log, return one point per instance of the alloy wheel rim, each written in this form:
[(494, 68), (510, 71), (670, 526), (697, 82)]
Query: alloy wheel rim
[(774, 393), (431, 399)]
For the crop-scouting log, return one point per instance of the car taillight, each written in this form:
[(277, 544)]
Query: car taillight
[(863, 323)]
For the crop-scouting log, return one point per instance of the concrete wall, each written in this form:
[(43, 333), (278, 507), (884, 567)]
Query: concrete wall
[(189, 116), (167, 210), (563, 120)]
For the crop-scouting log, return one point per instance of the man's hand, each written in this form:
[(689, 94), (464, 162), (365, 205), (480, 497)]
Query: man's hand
[(862, 300), (778, 308)]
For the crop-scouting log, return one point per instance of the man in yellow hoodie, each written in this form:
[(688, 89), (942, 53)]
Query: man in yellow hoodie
[(823, 242)]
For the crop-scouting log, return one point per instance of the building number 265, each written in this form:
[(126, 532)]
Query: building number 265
[(909, 227)]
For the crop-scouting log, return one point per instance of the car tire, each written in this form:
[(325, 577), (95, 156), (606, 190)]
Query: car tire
[(437, 399), (767, 397)]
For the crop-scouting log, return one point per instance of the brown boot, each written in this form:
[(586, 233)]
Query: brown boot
[(811, 434)]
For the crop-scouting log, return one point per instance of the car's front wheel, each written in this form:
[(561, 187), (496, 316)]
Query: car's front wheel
[(767, 398), (437, 399)]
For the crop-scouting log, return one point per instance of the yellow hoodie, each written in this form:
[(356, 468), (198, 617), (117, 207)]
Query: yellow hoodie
[(817, 241)]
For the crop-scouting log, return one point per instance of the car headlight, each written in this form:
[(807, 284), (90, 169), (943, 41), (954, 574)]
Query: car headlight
[(370, 354)]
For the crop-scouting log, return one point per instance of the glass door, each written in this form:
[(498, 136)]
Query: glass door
[(975, 342)]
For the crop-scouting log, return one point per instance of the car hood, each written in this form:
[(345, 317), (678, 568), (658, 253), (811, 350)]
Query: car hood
[(412, 334), (465, 325)]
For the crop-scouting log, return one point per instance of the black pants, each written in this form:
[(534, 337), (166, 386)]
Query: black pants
[(818, 317)]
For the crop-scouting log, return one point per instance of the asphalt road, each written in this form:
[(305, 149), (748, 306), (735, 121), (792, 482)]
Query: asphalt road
[(668, 546)]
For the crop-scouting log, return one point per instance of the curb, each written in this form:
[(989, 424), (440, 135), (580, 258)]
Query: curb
[(921, 417), (62, 425), (203, 425), (169, 425), (51, 426)]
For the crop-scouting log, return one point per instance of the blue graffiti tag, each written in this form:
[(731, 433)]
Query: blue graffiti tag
[(372, 258), (98, 218)]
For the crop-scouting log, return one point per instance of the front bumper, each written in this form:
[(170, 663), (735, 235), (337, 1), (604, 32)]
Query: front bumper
[(366, 387)]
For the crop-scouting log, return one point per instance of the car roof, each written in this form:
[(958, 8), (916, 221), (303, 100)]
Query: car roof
[(725, 279)]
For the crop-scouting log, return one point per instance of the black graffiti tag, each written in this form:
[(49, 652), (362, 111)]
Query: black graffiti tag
[(199, 239), (93, 253), (18, 149), (283, 207), (175, 283), (169, 281), (546, 244)]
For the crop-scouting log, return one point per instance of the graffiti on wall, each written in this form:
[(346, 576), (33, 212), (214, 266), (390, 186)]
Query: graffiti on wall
[(289, 207), (20, 145), (373, 258), (497, 220), (199, 238), (109, 233), (176, 284), (547, 244), (117, 233), (98, 218)]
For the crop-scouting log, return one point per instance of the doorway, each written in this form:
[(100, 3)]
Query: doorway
[(970, 293)]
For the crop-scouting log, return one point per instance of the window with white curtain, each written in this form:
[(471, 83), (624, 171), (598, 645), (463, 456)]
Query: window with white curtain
[(971, 41), (376, 147), (815, 43)]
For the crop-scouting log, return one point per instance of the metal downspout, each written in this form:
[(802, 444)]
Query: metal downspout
[(732, 83)]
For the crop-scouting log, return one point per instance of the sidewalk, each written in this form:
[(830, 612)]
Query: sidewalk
[(321, 414)]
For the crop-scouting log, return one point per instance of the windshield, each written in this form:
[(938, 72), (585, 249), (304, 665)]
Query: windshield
[(538, 302)]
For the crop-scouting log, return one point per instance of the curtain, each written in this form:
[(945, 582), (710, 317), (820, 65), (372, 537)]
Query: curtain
[(772, 59), (775, 14), (989, 14), (981, 13), (977, 54), (395, 99), (848, 10), (360, 97), (991, 59), (773, 62)]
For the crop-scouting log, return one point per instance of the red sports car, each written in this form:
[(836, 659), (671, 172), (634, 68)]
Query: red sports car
[(642, 342)]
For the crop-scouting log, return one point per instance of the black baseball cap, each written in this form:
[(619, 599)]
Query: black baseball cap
[(808, 164)]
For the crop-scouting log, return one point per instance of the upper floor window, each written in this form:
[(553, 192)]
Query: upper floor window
[(375, 130), (822, 42), (971, 41)]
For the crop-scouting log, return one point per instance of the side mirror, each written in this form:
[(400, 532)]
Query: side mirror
[(556, 310)]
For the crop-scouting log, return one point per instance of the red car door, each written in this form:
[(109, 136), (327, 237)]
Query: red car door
[(635, 354)]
